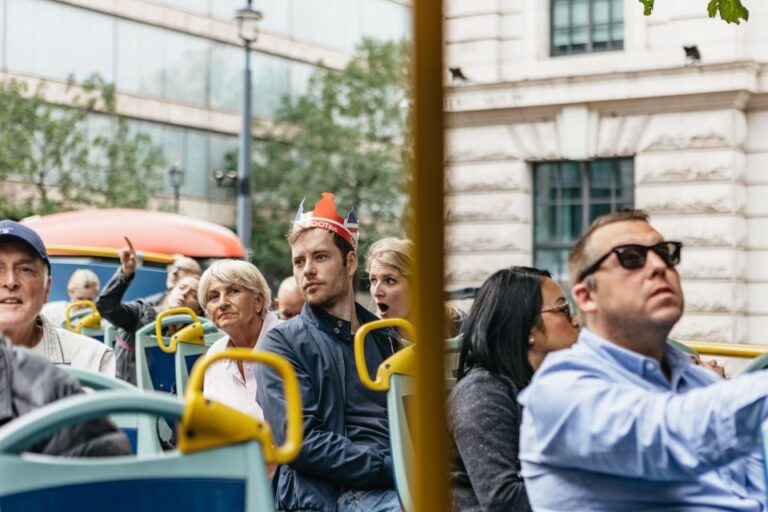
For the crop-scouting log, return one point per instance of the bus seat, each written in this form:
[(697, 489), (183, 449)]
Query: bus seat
[(221, 463), (110, 334), (140, 430), (82, 317), (395, 376), (162, 362)]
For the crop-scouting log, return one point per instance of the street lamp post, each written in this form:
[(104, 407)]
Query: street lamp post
[(247, 21), (176, 174)]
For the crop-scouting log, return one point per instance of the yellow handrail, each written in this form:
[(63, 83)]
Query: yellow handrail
[(726, 349), (101, 252), (207, 424), (193, 333), (92, 320), (402, 362)]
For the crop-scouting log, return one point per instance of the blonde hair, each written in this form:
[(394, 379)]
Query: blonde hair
[(237, 272), (83, 279), (394, 252)]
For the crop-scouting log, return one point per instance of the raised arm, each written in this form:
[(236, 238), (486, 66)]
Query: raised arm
[(583, 421), (326, 455), (110, 300)]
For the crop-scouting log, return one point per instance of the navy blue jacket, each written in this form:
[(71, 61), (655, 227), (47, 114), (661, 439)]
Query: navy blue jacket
[(329, 461)]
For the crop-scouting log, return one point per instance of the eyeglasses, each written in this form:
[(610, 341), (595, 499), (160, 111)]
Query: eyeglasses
[(633, 256), (564, 308)]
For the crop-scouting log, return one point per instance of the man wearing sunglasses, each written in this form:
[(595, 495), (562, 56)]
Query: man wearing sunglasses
[(623, 420)]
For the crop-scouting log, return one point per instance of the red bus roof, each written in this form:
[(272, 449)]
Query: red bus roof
[(160, 232)]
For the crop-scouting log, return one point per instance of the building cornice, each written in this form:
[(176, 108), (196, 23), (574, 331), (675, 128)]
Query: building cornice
[(737, 85)]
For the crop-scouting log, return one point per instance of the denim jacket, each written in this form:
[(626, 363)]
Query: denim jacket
[(329, 461)]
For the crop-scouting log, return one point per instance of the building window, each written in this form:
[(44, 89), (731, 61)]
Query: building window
[(567, 197), (583, 26)]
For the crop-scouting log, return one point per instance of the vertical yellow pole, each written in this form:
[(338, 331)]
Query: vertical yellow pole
[(430, 433)]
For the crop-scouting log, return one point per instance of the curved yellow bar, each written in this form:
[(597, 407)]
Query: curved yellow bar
[(92, 320), (726, 349), (402, 362), (193, 333), (207, 424), (100, 252)]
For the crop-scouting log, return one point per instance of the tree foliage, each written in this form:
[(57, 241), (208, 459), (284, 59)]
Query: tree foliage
[(49, 149), (731, 11), (347, 135)]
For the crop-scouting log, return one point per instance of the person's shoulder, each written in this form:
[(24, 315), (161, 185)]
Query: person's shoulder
[(81, 341), (220, 345)]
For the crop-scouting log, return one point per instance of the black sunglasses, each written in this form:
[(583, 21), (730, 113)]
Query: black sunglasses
[(633, 256)]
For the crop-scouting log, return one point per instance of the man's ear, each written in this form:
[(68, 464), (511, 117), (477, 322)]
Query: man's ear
[(277, 303), (48, 287), (583, 296), (351, 263)]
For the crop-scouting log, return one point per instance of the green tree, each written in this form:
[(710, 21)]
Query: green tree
[(48, 148), (731, 11), (347, 135)]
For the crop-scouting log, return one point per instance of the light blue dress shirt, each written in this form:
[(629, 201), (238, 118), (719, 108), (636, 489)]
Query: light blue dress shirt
[(604, 429)]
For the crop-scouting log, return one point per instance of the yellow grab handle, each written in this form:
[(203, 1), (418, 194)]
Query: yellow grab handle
[(220, 424), (92, 320), (403, 362), (193, 333)]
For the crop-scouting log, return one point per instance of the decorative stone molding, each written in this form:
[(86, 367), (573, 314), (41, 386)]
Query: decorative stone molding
[(476, 143), (465, 270), (695, 130), (489, 207), (707, 327), (488, 176), (537, 141), (463, 238), (715, 297), (758, 233), (713, 263), (703, 231), (694, 198), (691, 166)]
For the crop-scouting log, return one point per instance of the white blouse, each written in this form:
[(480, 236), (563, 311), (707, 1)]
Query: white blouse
[(223, 381)]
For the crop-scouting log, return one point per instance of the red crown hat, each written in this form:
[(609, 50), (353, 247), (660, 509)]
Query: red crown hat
[(324, 216)]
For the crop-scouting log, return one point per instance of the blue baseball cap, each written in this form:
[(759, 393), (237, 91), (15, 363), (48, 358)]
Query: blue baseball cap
[(11, 231)]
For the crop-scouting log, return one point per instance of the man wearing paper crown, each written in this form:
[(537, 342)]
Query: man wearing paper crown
[(345, 462)]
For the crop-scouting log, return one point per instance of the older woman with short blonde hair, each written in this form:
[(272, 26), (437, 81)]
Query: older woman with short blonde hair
[(236, 297)]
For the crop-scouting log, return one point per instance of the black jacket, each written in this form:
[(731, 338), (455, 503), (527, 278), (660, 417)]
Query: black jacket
[(329, 461), (128, 317), (28, 382)]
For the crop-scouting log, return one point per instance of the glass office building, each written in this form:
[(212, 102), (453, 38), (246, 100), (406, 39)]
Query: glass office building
[(177, 64)]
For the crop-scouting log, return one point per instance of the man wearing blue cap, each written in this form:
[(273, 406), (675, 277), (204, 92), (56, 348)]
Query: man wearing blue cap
[(25, 282)]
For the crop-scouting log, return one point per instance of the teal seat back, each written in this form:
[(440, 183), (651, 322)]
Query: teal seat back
[(91, 332), (232, 478), (142, 431), (160, 371)]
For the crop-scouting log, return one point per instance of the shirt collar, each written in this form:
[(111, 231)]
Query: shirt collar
[(645, 366), (332, 325)]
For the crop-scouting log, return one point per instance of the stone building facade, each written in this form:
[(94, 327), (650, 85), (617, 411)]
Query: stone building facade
[(695, 131)]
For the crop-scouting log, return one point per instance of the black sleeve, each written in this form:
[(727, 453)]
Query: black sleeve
[(485, 421), (126, 316), (95, 438), (326, 455)]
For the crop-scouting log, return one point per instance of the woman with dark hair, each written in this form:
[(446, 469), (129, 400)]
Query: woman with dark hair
[(519, 316)]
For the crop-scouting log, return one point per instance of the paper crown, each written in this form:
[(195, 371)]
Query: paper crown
[(324, 216)]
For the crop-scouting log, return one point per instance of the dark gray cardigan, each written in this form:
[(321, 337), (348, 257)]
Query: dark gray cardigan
[(485, 430)]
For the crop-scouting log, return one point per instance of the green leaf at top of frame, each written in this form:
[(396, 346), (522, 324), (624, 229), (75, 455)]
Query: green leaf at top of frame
[(647, 7), (731, 11)]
